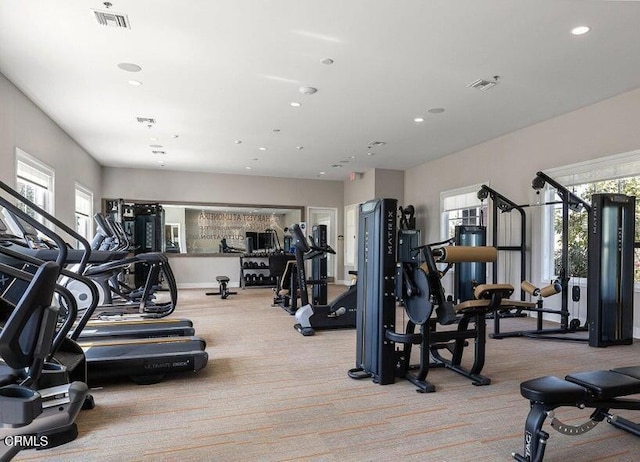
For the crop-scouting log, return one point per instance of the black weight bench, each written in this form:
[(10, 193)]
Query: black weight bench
[(599, 390), (223, 288)]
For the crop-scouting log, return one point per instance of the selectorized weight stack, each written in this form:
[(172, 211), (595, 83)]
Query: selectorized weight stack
[(469, 274), (377, 229), (610, 270)]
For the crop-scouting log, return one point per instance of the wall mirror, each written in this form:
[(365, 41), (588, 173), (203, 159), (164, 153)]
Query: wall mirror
[(227, 229)]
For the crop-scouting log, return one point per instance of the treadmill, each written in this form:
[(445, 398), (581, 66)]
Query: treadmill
[(114, 326), (145, 361)]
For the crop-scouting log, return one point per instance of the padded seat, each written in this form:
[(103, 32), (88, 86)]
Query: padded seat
[(485, 291), (553, 390), (222, 278), (472, 305), (484, 294), (633, 371), (606, 384)]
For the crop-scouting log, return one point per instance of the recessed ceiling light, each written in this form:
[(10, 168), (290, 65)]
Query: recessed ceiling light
[(352, 157), (295, 104), (418, 119), (322, 173), (237, 142), (154, 139), (299, 148), (436, 110), (129, 67), (371, 154), (135, 83), (326, 61), (161, 162), (307, 90), (175, 136), (262, 148), (248, 168), (580, 30)]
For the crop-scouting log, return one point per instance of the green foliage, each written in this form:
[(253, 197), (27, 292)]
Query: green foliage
[(577, 249)]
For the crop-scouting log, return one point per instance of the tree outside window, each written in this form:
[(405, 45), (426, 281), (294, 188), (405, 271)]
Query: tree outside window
[(578, 224)]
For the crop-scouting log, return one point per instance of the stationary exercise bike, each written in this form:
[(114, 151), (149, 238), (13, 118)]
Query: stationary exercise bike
[(339, 313)]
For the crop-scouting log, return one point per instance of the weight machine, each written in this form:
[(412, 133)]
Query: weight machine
[(513, 308), (610, 221), (384, 354)]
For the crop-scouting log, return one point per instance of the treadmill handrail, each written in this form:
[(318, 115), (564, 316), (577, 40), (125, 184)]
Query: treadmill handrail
[(62, 245), (53, 220)]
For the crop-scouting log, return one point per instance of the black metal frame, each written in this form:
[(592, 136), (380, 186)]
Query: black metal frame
[(610, 270), (377, 228), (578, 394), (569, 201)]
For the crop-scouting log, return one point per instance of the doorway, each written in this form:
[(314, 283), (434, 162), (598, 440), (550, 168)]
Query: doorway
[(329, 218)]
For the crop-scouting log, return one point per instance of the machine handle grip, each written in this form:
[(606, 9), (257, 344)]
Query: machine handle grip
[(530, 288), (544, 292)]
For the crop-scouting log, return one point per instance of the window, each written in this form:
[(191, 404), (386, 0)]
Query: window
[(613, 174), (578, 232), (461, 207), (34, 181), (84, 212)]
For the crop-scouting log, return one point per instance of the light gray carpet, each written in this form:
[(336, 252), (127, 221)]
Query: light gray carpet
[(269, 394)]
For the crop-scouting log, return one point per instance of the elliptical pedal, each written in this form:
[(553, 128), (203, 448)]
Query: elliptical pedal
[(306, 331)]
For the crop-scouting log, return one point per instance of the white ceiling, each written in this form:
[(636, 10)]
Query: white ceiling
[(218, 71)]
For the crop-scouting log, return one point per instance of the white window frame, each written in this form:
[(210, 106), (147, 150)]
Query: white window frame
[(80, 191), (605, 168), (32, 162), (459, 199)]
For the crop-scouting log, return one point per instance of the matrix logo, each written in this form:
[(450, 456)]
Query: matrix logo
[(391, 220)]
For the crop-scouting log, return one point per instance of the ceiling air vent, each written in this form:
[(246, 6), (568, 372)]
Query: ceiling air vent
[(376, 144), (146, 120), (107, 18), (161, 153), (482, 84)]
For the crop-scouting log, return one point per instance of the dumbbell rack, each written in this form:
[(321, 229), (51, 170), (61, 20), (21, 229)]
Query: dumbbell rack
[(255, 272)]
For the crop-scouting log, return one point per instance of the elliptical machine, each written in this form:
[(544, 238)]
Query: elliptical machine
[(339, 313)]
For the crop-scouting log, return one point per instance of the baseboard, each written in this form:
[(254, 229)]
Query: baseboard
[(204, 285)]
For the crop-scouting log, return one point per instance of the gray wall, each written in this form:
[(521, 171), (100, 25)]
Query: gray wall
[(24, 125), (390, 184), (375, 183), (361, 189), (510, 162), (163, 186)]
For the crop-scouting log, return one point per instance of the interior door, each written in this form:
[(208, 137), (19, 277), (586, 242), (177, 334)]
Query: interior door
[(329, 218)]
